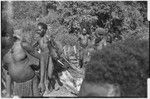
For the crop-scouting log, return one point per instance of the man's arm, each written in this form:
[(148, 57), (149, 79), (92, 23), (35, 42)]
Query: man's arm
[(8, 85), (35, 44), (27, 47), (43, 66), (59, 48), (6, 45)]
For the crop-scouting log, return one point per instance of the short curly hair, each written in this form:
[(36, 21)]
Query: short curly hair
[(123, 63), (43, 25)]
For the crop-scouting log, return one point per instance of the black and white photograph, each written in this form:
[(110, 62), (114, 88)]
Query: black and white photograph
[(79, 49)]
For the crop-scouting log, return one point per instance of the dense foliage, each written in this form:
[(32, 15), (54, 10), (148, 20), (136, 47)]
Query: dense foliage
[(65, 19), (120, 19)]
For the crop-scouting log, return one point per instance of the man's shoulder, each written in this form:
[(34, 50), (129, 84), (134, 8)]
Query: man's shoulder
[(7, 56), (25, 44)]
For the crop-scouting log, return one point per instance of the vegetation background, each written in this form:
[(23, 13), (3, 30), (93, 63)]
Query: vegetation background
[(124, 19), (66, 19)]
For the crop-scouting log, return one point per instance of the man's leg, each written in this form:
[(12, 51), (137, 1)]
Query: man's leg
[(43, 71), (85, 56), (50, 73), (58, 79), (36, 91), (50, 67), (51, 84), (81, 58)]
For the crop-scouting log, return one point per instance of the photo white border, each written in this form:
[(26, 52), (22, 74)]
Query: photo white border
[(148, 16)]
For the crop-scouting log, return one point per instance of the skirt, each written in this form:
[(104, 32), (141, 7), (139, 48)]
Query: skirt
[(27, 89)]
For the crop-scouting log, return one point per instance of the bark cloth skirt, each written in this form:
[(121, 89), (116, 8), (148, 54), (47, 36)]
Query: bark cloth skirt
[(28, 88)]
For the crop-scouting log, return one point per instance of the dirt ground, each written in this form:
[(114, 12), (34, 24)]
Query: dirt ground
[(60, 91), (67, 90)]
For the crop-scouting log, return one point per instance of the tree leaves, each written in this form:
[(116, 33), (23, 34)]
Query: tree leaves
[(73, 16)]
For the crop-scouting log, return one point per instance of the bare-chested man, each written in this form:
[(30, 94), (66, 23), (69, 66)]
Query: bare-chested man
[(20, 72), (46, 65), (100, 40), (44, 55), (83, 42)]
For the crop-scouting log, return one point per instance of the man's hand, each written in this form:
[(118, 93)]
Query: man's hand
[(30, 49), (42, 88)]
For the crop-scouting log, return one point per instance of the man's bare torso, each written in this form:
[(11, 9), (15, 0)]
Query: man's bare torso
[(43, 44), (83, 40)]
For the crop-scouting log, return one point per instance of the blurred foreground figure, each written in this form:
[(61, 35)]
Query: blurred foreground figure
[(7, 42), (6, 36), (20, 74), (118, 70)]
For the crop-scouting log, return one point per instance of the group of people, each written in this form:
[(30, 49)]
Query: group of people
[(24, 77), (119, 69), (89, 43)]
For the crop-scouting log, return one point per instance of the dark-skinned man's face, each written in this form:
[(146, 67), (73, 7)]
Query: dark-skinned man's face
[(84, 31), (41, 31)]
